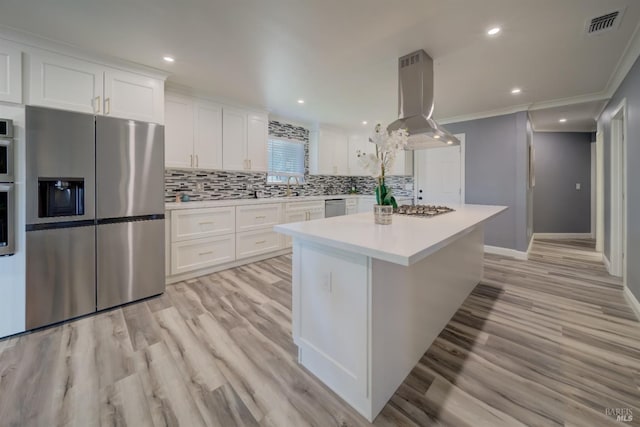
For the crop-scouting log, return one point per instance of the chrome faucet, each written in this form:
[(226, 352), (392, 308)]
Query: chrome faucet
[(289, 184)]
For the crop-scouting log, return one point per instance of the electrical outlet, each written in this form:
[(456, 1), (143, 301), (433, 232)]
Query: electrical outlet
[(200, 186), (578, 186), (249, 187), (408, 186)]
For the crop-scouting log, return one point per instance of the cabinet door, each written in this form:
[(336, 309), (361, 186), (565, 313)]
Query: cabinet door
[(403, 164), (315, 214), (59, 81), (358, 143), (296, 216), (178, 132), (234, 139), (341, 155), (133, 96), (257, 135), (208, 136), (326, 143), (10, 72)]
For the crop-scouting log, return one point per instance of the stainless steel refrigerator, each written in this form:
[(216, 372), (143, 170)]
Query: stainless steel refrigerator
[(95, 213)]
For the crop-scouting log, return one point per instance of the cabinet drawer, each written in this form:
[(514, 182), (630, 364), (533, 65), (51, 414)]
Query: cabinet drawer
[(199, 223), (256, 217), (304, 206), (202, 253), (252, 243)]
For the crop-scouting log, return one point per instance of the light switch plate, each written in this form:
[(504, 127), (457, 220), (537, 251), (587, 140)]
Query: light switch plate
[(578, 186)]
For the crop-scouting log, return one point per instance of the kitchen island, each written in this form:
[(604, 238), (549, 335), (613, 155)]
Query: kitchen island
[(368, 300)]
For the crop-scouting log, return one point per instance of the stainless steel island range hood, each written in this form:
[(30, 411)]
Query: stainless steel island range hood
[(415, 104)]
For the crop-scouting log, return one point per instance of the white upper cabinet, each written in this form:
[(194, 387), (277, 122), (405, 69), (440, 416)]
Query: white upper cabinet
[(10, 72), (234, 139), (244, 140), (403, 164), (329, 152), (133, 96), (193, 133), (358, 143), (257, 136), (178, 132), (64, 82), (207, 146)]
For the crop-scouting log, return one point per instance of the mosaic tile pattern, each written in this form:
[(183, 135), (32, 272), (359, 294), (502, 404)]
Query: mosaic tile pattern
[(218, 185)]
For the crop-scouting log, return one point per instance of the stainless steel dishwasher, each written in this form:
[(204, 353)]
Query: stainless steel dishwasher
[(335, 207)]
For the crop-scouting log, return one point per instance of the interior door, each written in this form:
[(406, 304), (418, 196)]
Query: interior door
[(439, 175)]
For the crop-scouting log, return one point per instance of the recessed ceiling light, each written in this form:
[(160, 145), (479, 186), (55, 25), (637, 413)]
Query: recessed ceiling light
[(516, 90), (364, 122), (436, 136), (493, 31), (563, 120), (300, 101), (169, 59)]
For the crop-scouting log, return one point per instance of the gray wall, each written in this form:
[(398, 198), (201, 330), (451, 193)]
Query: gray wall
[(496, 174), (562, 160), (629, 90)]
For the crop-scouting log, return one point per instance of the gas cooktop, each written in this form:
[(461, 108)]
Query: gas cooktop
[(423, 211)]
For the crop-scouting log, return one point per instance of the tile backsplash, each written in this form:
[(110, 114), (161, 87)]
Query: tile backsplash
[(217, 185)]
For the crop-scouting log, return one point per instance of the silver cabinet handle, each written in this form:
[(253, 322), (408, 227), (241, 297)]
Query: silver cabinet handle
[(191, 160), (97, 104), (107, 106), (205, 253), (197, 161), (249, 164), (206, 222), (261, 217), (259, 242)]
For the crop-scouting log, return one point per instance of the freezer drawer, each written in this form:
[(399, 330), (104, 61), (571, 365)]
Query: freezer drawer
[(130, 261), (60, 275)]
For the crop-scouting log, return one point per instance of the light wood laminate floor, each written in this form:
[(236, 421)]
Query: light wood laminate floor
[(544, 342)]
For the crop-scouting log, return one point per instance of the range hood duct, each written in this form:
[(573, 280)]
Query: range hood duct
[(415, 104)]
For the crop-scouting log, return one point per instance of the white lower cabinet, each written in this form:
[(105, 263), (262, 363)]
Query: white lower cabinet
[(252, 243), (197, 254), (191, 224), (351, 206), (301, 211), (256, 217)]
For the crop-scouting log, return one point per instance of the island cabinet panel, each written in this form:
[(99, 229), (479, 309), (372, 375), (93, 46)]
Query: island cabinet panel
[(330, 318), (199, 223)]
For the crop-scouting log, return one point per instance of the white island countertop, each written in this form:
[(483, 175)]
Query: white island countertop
[(406, 241)]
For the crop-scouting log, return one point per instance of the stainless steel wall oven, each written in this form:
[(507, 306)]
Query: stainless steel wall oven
[(7, 196)]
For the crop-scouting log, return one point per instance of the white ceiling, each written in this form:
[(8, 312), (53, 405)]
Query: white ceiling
[(579, 117), (341, 56)]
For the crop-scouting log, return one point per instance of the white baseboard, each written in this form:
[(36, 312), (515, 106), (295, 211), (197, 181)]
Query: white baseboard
[(533, 237), (607, 263), (633, 301), (562, 235), (496, 250)]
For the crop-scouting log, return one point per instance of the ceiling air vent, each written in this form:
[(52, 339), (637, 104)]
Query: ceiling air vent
[(608, 22)]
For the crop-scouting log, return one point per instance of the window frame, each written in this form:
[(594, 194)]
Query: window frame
[(281, 178)]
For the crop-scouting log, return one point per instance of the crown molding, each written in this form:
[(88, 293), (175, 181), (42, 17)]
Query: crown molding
[(35, 41), (562, 102)]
